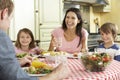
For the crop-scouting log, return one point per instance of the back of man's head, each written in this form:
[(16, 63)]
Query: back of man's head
[(6, 4)]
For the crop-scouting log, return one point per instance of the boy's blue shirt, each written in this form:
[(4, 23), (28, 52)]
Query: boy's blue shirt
[(114, 46)]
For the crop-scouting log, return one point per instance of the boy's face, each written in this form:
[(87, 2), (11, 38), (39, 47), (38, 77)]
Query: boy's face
[(5, 19), (107, 38)]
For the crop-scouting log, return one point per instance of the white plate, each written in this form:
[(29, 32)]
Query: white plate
[(72, 56), (37, 75)]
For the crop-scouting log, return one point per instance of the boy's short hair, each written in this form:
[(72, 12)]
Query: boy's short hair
[(6, 4), (109, 28)]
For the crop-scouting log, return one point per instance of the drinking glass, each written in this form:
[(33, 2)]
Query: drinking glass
[(57, 42), (60, 59), (99, 50)]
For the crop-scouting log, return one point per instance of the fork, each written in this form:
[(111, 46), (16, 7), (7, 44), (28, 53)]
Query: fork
[(36, 57)]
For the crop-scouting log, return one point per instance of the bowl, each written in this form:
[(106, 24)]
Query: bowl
[(96, 62)]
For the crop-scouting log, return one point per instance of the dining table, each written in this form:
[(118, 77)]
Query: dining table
[(78, 71)]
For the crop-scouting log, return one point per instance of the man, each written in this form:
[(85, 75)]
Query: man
[(9, 66)]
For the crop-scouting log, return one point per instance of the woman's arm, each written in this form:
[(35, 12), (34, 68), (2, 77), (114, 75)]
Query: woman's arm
[(84, 41), (51, 47), (84, 45)]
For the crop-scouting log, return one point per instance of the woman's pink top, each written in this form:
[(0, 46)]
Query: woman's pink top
[(32, 51), (69, 46)]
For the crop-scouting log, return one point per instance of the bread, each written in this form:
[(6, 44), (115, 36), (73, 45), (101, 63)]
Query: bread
[(75, 54)]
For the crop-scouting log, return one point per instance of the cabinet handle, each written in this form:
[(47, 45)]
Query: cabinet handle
[(40, 24), (36, 11)]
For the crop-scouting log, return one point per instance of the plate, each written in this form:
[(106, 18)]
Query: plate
[(36, 75), (74, 57)]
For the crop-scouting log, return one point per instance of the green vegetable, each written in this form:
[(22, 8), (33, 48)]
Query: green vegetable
[(21, 55)]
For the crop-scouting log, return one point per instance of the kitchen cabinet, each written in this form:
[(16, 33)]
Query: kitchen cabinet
[(106, 8), (48, 17), (40, 16)]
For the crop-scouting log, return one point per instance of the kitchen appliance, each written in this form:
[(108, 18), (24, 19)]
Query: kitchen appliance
[(90, 2)]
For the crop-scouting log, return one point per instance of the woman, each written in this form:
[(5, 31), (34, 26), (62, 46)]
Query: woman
[(73, 35)]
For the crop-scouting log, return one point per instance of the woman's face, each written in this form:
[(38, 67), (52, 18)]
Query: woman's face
[(71, 20), (107, 38), (25, 39)]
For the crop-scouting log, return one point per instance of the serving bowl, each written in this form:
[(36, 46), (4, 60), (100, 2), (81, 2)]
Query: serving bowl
[(96, 62)]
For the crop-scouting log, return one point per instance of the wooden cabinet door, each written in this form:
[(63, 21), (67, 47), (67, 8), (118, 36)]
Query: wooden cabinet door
[(49, 17), (50, 13)]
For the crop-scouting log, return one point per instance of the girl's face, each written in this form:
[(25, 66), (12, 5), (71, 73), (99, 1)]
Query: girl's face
[(25, 39), (71, 20), (107, 38)]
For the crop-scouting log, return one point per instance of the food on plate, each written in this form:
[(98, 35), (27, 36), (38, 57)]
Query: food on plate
[(48, 53), (21, 55), (44, 52), (38, 67), (33, 70), (38, 64), (75, 54), (53, 53)]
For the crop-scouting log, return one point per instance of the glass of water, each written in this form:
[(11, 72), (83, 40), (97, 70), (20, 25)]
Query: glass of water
[(99, 50), (59, 41)]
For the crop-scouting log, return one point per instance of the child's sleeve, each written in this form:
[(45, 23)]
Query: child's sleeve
[(117, 55)]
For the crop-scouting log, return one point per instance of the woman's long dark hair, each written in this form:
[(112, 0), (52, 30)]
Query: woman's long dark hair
[(79, 25)]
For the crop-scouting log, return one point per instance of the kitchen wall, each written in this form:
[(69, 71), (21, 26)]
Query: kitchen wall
[(93, 16), (23, 17), (113, 15)]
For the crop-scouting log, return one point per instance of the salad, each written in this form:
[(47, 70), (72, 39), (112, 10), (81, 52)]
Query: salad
[(96, 62), (21, 55), (33, 70), (38, 67)]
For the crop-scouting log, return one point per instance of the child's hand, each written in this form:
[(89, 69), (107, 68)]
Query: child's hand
[(25, 60)]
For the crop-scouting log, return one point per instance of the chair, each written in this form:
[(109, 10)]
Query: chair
[(36, 42)]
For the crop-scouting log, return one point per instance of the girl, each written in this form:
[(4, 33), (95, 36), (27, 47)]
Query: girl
[(25, 42), (108, 33)]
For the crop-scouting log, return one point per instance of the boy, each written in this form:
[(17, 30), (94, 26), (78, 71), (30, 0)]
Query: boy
[(108, 33)]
